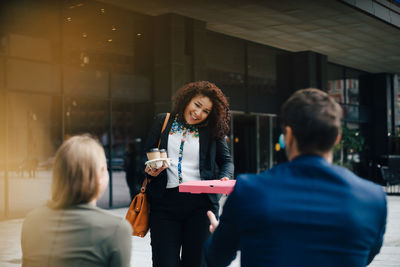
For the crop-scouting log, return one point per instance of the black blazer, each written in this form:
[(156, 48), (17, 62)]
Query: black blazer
[(212, 150)]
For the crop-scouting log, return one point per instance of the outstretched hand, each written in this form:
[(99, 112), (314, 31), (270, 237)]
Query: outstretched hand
[(213, 221)]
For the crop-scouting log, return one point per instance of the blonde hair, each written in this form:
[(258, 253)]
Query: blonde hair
[(76, 172)]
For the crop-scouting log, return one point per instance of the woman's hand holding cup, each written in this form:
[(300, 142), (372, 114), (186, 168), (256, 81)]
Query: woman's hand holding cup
[(154, 171)]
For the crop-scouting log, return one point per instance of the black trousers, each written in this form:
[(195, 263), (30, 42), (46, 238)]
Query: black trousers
[(178, 222)]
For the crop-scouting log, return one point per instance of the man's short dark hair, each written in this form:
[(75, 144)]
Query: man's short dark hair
[(315, 119)]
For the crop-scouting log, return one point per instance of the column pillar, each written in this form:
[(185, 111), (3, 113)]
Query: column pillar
[(179, 56), (299, 70)]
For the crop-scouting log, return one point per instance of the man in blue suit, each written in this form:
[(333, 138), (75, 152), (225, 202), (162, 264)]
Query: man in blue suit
[(306, 212)]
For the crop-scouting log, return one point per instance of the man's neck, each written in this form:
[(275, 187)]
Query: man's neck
[(328, 156)]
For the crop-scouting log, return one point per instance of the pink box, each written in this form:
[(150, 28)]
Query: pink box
[(208, 186)]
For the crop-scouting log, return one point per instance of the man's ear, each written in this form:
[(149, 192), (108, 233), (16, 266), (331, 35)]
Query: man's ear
[(288, 135), (338, 138), (291, 148)]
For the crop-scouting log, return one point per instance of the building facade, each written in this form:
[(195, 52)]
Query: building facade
[(99, 67)]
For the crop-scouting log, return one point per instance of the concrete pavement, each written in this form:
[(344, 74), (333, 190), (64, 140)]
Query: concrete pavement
[(10, 234)]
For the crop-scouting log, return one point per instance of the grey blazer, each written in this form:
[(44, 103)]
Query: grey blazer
[(80, 236)]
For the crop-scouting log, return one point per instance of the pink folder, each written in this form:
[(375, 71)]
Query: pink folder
[(208, 186)]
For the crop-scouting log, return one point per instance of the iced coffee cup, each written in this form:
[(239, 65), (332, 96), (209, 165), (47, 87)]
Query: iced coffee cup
[(153, 153), (163, 153)]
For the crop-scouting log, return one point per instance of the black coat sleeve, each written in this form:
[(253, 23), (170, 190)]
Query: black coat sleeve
[(157, 185), (154, 133), (223, 159)]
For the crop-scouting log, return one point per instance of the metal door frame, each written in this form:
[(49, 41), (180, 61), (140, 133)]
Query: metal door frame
[(270, 132)]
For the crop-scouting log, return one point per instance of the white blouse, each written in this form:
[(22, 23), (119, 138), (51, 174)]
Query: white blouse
[(190, 162)]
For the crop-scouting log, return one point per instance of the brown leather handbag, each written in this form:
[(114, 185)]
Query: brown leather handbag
[(139, 210)]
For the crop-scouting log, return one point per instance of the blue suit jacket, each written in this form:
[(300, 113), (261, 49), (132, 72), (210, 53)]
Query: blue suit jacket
[(307, 212)]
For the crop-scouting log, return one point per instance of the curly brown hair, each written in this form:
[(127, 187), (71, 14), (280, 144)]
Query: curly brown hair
[(220, 115)]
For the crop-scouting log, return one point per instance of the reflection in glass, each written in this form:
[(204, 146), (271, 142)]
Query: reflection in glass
[(226, 67), (254, 137), (33, 48), (352, 89), (262, 68), (350, 112), (127, 120), (335, 90), (32, 76), (123, 152), (88, 115), (2, 69), (132, 87), (96, 40), (34, 134), (245, 143), (225, 53), (81, 81), (267, 128), (2, 151), (396, 93)]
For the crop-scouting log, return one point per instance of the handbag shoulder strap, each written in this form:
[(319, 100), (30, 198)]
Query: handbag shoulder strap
[(163, 128), (146, 180)]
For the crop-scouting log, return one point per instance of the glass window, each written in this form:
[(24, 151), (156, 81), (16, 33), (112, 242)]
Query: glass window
[(262, 88), (23, 46), (343, 86), (262, 67), (226, 67), (105, 45), (132, 87), (336, 82), (98, 28), (225, 53), (125, 152), (129, 121), (395, 139), (86, 115), (396, 93), (92, 116), (34, 134), (32, 76), (88, 82), (30, 41), (354, 113), (2, 150), (101, 36), (244, 143), (32, 28), (267, 130), (99, 51), (2, 80), (3, 43)]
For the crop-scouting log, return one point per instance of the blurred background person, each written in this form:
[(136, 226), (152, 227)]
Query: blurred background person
[(132, 178)]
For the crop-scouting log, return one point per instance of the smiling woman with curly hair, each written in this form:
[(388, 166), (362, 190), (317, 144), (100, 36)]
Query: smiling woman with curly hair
[(219, 117), (194, 138)]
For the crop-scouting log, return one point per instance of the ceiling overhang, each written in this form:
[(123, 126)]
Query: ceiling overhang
[(347, 35)]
